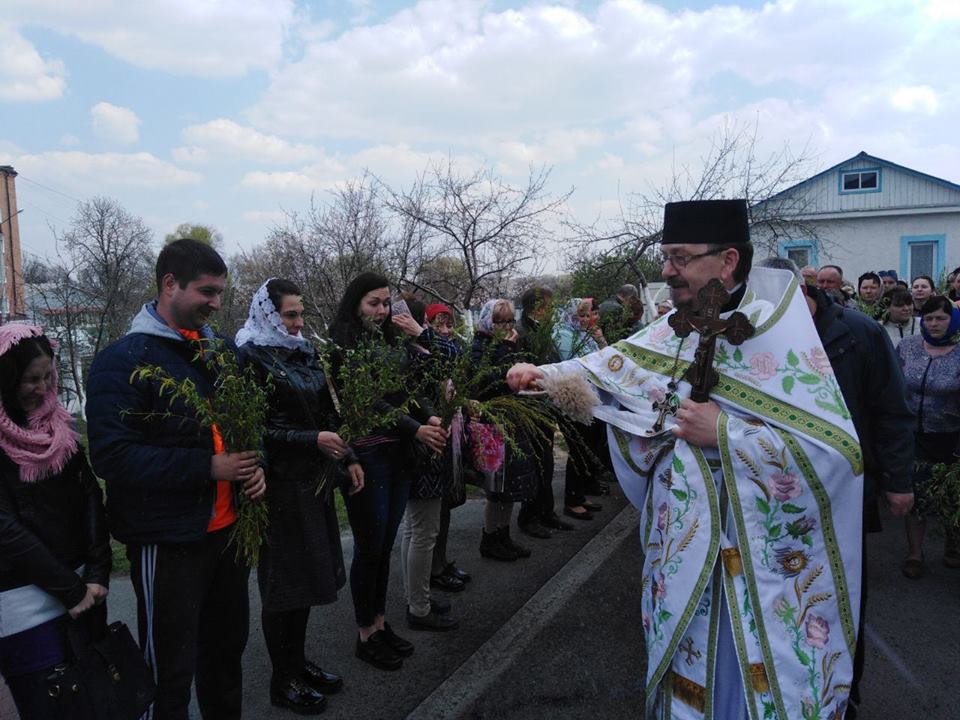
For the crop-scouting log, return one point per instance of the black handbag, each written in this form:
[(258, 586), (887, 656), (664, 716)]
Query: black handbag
[(107, 679)]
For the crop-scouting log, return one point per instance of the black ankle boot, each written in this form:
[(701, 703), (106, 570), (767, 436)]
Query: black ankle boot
[(493, 547), (520, 550)]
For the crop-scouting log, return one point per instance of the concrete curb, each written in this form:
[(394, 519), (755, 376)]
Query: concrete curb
[(454, 697)]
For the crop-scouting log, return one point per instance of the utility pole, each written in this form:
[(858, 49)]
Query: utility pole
[(12, 302)]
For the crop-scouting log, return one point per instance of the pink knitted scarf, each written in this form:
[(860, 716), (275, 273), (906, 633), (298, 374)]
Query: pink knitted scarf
[(43, 447)]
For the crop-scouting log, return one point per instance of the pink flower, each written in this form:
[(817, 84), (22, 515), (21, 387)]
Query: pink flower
[(784, 486), (660, 333), (663, 516), (646, 623), (763, 365), (657, 395), (487, 447), (659, 587), (780, 605), (820, 361), (818, 631)]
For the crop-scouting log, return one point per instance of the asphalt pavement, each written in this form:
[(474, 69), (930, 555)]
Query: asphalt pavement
[(558, 636)]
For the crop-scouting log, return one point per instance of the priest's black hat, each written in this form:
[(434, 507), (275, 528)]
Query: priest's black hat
[(719, 222)]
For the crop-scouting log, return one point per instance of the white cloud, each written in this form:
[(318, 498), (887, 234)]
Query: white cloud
[(267, 218), (214, 38), (918, 98), (80, 171), (228, 138), (115, 124), (24, 74)]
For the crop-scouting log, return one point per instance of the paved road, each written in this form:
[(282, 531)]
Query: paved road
[(558, 636)]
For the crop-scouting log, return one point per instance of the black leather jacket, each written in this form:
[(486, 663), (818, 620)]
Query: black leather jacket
[(50, 527), (300, 408)]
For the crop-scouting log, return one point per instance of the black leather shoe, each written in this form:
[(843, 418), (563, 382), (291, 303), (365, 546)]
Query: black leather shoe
[(403, 648), (298, 697), (591, 506), (432, 621), (452, 569), (378, 652), (520, 550), (321, 681), (555, 523), (447, 582), (492, 546), (535, 529), (577, 515), (439, 607)]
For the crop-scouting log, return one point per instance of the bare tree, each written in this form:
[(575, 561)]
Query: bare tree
[(492, 228), (733, 167), (112, 261)]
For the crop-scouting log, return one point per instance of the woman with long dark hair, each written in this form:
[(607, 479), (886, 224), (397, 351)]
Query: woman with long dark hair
[(301, 562), (931, 365), (54, 548), (364, 317)]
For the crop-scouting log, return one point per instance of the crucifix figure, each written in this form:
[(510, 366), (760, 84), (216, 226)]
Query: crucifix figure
[(707, 321)]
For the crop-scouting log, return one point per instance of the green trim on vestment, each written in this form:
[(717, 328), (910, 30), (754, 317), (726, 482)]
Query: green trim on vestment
[(713, 632), (736, 624), (746, 560), (756, 402), (683, 623), (780, 310), (829, 537), (623, 444)]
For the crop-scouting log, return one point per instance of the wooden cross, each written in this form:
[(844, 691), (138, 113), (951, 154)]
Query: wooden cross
[(707, 321)]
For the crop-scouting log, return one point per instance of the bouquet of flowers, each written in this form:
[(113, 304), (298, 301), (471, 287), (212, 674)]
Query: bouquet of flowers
[(239, 408), (487, 447)]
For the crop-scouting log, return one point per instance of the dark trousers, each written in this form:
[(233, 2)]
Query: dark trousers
[(582, 461), (858, 656), (440, 548), (285, 633), (542, 505), (193, 613), (375, 514)]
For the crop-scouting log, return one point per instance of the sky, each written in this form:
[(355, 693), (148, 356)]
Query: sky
[(231, 112)]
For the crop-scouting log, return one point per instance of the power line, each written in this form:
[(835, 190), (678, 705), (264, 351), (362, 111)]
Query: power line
[(48, 188)]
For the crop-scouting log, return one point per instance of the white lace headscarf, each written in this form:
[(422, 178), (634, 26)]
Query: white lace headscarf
[(264, 326)]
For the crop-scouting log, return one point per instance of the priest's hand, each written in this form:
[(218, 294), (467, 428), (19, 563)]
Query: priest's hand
[(522, 375), (899, 503), (697, 423)]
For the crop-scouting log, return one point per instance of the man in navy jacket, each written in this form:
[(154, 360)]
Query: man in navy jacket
[(171, 490)]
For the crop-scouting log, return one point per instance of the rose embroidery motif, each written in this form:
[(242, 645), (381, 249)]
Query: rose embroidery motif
[(784, 486), (763, 366), (820, 362), (660, 333), (656, 394), (817, 631)]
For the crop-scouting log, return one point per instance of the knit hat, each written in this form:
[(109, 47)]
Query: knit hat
[(435, 309)]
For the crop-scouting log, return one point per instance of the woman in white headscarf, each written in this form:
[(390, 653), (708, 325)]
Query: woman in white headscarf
[(301, 562)]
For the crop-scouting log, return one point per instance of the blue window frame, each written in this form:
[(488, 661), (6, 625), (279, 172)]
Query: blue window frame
[(861, 180), (802, 252), (922, 255)]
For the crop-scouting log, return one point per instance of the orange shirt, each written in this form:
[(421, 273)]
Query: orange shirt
[(224, 513)]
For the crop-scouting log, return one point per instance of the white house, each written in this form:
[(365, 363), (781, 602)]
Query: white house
[(867, 214)]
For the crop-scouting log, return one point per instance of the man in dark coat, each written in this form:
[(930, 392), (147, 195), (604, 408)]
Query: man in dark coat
[(171, 490), (872, 383)]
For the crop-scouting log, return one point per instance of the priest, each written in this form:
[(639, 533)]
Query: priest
[(749, 491)]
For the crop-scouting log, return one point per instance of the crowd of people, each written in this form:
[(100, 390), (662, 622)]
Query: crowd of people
[(172, 485)]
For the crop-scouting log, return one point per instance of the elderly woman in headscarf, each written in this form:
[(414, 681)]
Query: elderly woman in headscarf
[(301, 560), (493, 352), (54, 548)]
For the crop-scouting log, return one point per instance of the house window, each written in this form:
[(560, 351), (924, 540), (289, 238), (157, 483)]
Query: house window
[(802, 252), (922, 255), (858, 181)]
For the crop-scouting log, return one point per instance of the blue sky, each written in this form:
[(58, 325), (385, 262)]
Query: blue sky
[(229, 112)]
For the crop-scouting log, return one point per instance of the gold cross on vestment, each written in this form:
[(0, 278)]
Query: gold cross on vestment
[(708, 323)]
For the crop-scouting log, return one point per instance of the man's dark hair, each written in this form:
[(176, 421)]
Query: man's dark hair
[(278, 288), (868, 276), (834, 267), (532, 297), (13, 363), (742, 271), (898, 297), (628, 290), (937, 302), (188, 259)]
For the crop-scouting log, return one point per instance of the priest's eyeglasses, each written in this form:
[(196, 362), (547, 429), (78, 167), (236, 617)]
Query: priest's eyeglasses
[(681, 261)]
